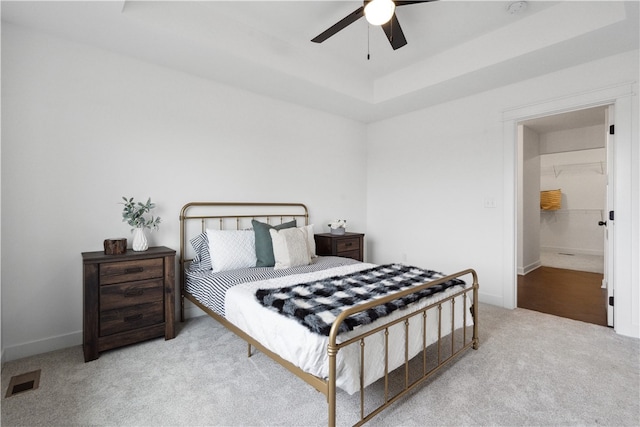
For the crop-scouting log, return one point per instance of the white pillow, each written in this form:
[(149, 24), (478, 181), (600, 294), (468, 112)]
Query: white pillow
[(290, 247), (231, 249), (311, 241)]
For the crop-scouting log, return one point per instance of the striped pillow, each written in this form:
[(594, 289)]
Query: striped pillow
[(202, 260)]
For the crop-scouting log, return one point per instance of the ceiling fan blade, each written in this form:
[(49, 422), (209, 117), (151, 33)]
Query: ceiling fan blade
[(340, 25), (405, 3), (394, 33)]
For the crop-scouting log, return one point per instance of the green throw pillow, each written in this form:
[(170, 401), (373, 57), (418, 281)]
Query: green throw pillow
[(264, 244)]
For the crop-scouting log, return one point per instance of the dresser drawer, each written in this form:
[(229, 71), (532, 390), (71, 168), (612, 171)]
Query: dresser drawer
[(127, 271), (132, 317), (131, 293), (346, 245)]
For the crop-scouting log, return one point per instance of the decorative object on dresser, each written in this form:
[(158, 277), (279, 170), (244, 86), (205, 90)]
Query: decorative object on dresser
[(127, 298), (115, 246), (140, 242), (133, 213), (348, 245), (338, 226)]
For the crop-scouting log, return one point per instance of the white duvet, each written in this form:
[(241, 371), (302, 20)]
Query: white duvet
[(307, 350)]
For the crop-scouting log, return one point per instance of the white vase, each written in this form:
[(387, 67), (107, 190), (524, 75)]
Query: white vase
[(139, 240), (339, 231)]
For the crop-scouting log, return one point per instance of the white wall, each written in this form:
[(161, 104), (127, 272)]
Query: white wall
[(429, 175), (442, 164), (583, 138), (83, 127), (581, 175), (561, 160), (529, 199)]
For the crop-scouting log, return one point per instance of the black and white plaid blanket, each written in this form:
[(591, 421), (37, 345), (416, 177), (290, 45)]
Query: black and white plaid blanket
[(317, 304)]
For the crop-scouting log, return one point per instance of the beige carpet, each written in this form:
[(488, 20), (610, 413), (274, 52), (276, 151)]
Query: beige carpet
[(531, 369)]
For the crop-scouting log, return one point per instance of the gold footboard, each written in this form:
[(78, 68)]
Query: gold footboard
[(334, 346), (328, 386), (277, 212)]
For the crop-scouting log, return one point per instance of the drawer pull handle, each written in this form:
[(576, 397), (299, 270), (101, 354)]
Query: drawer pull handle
[(348, 244), (133, 292), (133, 270), (133, 318)]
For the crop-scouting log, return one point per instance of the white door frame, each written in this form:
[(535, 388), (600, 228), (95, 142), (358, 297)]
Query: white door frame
[(620, 96), (609, 246)]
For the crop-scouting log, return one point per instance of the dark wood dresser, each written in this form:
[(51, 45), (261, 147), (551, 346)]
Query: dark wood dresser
[(348, 245), (127, 298)]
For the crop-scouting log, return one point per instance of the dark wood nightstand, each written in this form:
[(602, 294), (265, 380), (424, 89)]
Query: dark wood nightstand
[(127, 298), (348, 245)]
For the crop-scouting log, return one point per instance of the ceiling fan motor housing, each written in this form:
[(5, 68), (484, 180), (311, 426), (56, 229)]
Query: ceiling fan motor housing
[(391, 28)]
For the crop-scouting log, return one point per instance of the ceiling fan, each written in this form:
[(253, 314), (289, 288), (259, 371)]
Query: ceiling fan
[(391, 26)]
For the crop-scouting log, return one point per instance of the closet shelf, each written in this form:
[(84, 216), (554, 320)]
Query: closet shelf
[(597, 167)]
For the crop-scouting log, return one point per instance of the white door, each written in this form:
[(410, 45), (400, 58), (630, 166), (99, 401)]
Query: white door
[(608, 217)]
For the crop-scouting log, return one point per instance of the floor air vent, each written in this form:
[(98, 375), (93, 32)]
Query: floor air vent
[(23, 382)]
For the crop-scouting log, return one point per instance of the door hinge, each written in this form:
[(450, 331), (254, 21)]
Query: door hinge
[(611, 301), (611, 215), (612, 130)]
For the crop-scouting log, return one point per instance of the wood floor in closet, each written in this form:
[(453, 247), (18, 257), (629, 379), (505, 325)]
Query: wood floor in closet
[(572, 294)]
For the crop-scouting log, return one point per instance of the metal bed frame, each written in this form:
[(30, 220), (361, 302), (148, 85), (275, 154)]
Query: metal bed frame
[(220, 214)]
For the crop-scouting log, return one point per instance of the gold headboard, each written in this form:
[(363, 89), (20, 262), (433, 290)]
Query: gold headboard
[(196, 217)]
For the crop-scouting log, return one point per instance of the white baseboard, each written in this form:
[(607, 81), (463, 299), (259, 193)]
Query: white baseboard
[(192, 311), (75, 338), (59, 342), (490, 299), (529, 268), (577, 251), (41, 346)]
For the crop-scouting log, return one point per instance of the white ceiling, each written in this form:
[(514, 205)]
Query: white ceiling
[(455, 48)]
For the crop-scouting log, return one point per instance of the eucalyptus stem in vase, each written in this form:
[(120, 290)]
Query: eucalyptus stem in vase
[(134, 215)]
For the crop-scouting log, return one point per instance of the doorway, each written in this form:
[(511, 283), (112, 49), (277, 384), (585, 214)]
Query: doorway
[(621, 268), (561, 246)]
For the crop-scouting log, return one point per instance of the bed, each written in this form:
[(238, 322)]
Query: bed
[(285, 301)]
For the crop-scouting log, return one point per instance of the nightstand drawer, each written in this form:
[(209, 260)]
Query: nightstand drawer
[(351, 254), (127, 298), (345, 245), (127, 271), (129, 318), (131, 293)]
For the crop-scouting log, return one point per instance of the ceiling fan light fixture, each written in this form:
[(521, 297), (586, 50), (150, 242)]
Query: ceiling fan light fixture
[(379, 12)]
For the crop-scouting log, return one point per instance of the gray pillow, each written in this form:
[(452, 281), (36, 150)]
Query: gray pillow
[(264, 244)]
